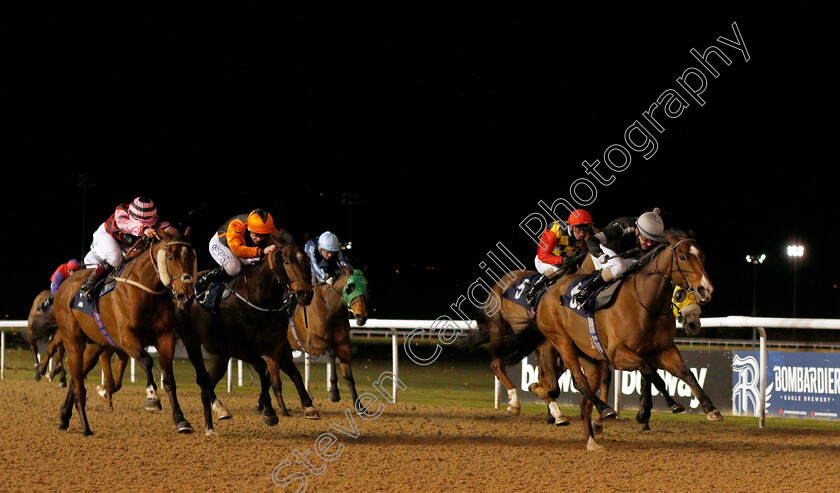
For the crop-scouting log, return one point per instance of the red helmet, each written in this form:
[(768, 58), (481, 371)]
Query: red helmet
[(579, 218)]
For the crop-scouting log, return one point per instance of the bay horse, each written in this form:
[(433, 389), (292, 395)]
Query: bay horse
[(42, 327), (637, 330), (157, 280), (323, 326), (252, 324)]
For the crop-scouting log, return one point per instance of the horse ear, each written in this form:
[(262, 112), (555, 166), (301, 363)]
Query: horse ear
[(691, 234), (188, 232)]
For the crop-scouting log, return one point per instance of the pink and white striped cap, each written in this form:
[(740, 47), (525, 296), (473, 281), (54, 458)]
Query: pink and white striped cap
[(143, 209)]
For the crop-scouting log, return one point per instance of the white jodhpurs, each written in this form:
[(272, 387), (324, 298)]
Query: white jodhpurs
[(224, 257), (104, 247), (617, 265), (542, 267)]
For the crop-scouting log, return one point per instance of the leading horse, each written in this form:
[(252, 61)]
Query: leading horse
[(156, 280), (323, 326), (252, 323), (637, 330)]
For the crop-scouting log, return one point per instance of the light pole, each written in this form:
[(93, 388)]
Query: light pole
[(795, 251), (755, 260)]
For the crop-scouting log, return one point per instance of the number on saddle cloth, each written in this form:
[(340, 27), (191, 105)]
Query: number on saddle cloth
[(516, 292)]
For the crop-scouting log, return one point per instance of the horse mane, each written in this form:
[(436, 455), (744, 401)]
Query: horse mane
[(282, 237)]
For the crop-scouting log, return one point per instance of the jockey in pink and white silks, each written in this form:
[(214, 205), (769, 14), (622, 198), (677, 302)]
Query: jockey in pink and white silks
[(128, 224), (618, 246)]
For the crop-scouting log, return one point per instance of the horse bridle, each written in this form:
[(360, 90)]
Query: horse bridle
[(668, 278), (164, 276), (287, 282)]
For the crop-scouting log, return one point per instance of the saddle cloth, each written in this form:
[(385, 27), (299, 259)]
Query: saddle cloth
[(516, 293)]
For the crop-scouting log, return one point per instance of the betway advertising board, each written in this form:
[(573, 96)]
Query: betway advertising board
[(804, 385)]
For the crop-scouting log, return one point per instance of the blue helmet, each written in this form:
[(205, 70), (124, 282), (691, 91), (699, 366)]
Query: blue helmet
[(329, 242)]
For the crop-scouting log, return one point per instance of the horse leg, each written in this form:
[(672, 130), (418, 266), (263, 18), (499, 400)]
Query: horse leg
[(54, 343), (276, 385), (547, 388), (269, 416), (593, 369), (498, 367), (568, 351), (606, 380), (83, 364), (202, 378), (335, 396), (147, 363), (33, 345), (58, 367), (218, 368), (166, 353), (287, 364), (645, 401), (122, 361), (671, 361), (673, 405), (107, 388), (343, 353)]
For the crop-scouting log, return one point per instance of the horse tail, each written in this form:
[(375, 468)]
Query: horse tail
[(477, 337), (520, 344)]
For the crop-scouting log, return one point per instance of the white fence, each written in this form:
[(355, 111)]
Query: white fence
[(395, 328)]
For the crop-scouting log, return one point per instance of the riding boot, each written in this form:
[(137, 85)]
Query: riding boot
[(209, 278), (89, 288), (535, 288), (583, 295)]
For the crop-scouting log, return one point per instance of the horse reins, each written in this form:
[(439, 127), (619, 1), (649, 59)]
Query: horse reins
[(184, 278)]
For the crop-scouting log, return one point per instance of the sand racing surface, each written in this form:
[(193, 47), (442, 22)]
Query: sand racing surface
[(407, 447)]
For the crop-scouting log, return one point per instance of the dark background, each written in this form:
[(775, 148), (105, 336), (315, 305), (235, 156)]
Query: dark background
[(424, 135)]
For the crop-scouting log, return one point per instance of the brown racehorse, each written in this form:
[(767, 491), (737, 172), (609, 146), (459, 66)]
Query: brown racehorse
[(41, 326), (637, 330), (323, 326), (252, 323), (139, 312)]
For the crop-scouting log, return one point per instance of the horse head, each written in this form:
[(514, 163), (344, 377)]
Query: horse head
[(355, 295), (296, 271), (175, 263), (688, 267), (687, 311)]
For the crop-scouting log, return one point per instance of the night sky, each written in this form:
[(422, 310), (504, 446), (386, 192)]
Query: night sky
[(425, 135)]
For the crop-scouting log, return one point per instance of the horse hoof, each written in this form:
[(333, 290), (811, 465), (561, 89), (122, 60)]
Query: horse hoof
[(677, 408), (591, 446), (37, 377), (62, 384), (210, 432), (311, 413), (63, 427), (597, 428), (516, 411), (220, 410), (153, 405), (87, 433), (101, 391), (335, 398), (714, 415), (645, 426), (564, 421), (270, 420), (184, 427), (609, 413)]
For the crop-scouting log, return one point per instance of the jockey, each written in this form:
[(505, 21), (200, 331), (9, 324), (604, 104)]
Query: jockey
[(128, 224), (243, 239), (63, 271), (325, 257), (632, 237), (558, 244)]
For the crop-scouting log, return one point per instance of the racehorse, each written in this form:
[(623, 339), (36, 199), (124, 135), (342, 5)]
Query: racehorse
[(157, 279), (323, 326), (637, 330), (250, 324), (41, 326)]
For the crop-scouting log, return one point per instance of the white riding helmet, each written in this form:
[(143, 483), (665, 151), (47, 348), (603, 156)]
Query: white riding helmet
[(650, 225), (329, 242)]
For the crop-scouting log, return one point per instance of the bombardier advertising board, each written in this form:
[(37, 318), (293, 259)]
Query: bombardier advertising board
[(799, 385)]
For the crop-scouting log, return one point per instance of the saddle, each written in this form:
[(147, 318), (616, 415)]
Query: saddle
[(599, 300), (80, 302), (213, 296), (516, 293)]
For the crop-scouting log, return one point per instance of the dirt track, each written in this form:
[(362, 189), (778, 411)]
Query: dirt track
[(408, 447)]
